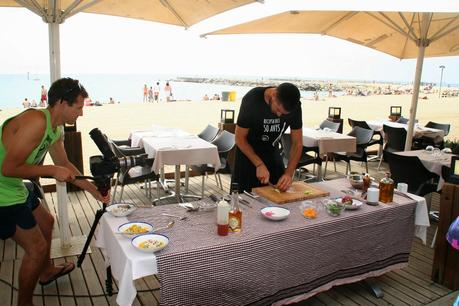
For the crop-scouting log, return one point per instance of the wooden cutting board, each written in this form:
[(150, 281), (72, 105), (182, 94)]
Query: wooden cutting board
[(297, 192)]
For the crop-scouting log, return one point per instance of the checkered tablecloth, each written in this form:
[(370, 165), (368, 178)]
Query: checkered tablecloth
[(271, 261)]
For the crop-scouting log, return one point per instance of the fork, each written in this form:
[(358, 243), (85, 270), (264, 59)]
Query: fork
[(175, 216)]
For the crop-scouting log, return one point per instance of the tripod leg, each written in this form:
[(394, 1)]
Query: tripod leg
[(97, 217), (109, 281)]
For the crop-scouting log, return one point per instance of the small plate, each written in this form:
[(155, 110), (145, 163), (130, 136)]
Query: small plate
[(150, 243), (356, 204), (275, 213), (121, 209), (132, 229)]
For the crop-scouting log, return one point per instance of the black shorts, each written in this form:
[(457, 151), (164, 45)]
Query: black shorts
[(19, 214)]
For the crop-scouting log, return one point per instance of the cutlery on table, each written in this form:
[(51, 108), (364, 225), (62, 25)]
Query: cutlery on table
[(175, 216)]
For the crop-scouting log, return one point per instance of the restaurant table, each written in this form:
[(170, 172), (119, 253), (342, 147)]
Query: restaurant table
[(269, 261), (435, 134), (328, 141), (431, 161), (179, 150)]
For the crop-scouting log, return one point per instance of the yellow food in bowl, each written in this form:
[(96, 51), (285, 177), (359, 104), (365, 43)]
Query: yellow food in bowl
[(135, 229)]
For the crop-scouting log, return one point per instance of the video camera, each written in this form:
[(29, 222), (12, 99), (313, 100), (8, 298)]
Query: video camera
[(109, 163)]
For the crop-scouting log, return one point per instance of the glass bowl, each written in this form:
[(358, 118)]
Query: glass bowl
[(309, 209), (333, 208), (356, 180)]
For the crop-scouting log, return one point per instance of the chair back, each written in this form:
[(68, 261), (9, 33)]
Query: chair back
[(363, 136), (404, 120), (333, 126), (362, 124), (209, 133), (410, 170), (439, 126), (224, 142), (395, 138)]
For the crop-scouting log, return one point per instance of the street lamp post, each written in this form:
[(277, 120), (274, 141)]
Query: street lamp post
[(441, 80)]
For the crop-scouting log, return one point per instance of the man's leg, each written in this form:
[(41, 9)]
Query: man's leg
[(34, 245), (46, 222)]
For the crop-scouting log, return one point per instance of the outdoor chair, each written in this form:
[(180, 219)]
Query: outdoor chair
[(224, 142), (424, 141), (410, 170), (333, 126), (395, 140), (133, 175), (376, 139), (209, 133), (305, 159), (363, 139)]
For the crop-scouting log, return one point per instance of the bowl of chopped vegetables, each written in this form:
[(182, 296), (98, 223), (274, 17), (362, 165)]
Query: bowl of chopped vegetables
[(309, 209), (333, 208)]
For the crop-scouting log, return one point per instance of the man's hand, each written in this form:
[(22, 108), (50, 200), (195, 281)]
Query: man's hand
[(63, 174), (263, 174), (99, 197), (285, 181)]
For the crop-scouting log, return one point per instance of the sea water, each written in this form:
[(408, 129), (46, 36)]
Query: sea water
[(123, 88)]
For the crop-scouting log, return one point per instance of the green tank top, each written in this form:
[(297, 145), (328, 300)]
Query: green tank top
[(12, 189)]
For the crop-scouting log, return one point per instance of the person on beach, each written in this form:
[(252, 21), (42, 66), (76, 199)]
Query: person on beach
[(26, 103), (145, 93), (264, 116), (156, 92), (150, 94), (25, 140), (168, 92), (43, 96)]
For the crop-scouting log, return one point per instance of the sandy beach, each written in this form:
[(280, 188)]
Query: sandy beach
[(118, 120)]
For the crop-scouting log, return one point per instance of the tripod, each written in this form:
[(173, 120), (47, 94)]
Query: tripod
[(103, 185)]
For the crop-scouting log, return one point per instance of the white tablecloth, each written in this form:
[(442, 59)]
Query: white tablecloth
[(328, 141), (156, 131), (180, 151), (127, 263), (419, 131)]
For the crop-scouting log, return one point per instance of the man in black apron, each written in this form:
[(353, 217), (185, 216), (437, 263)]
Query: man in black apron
[(265, 114)]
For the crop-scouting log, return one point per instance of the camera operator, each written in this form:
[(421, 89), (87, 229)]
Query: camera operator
[(25, 140)]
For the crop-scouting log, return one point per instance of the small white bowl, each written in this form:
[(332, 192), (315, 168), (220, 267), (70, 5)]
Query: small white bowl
[(150, 243), (121, 209), (138, 227), (275, 213)]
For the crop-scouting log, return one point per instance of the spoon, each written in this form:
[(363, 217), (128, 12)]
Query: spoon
[(169, 225)]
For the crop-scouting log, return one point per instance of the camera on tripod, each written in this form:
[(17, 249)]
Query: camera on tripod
[(109, 163)]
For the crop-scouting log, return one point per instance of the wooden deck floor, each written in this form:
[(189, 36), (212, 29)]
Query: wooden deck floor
[(86, 286)]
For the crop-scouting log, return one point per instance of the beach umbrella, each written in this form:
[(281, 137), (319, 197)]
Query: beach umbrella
[(404, 35), (54, 12), (175, 12)]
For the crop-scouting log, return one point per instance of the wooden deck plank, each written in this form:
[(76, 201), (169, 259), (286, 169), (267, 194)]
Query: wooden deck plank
[(6, 279)]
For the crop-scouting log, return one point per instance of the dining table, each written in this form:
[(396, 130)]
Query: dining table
[(170, 146), (419, 131), (432, 160), (268, 262)]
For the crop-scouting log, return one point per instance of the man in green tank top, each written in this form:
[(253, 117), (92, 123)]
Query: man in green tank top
[(25, 140)]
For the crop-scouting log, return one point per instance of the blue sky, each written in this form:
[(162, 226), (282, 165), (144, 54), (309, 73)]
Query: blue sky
[(104, 44)]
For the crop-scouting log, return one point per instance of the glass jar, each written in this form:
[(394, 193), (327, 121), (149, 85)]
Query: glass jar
[(366, 182), (386, 189)]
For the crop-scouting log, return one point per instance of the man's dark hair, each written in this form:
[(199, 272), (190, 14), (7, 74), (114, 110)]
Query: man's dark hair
[(65, 89), (289, 95)]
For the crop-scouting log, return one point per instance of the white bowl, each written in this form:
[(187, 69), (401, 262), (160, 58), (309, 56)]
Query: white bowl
[(275, 213), (150, 243), (132, 229), (121, 209)]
